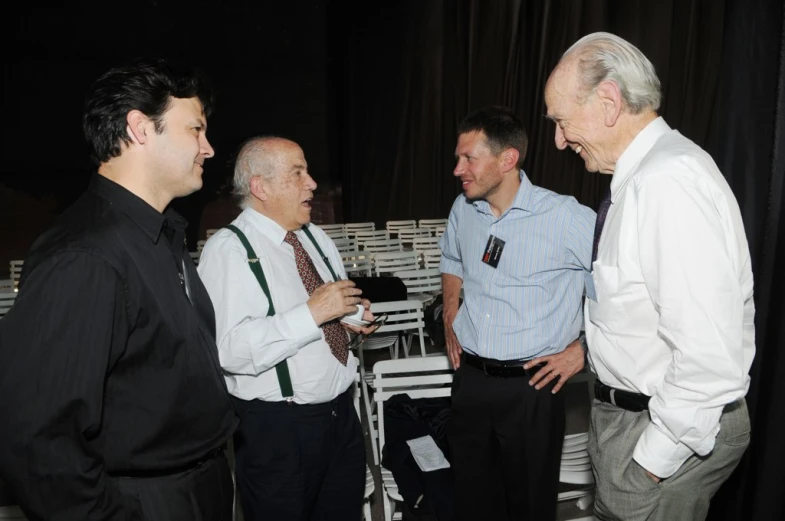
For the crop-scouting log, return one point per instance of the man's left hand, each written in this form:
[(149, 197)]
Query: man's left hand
[(367, 316), (562, 365)]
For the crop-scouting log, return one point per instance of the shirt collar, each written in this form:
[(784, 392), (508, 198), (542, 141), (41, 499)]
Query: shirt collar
[(522, 201), (147, 218), (635, 151), (266, 226)]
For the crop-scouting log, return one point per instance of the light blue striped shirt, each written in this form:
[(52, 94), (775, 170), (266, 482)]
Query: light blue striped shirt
[(530, 304)]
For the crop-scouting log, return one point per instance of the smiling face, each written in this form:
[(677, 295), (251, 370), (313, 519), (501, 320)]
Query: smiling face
[(579, 126), (289, 191), (477, 167), (179, 150)]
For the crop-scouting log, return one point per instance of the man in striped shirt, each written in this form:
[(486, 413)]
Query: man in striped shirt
[(522, 254)]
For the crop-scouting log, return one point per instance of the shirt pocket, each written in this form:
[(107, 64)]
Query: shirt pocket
[(608, 311)]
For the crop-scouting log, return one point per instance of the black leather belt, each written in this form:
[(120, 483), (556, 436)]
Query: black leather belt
[(626, 400), (158, 473), (500, 368)]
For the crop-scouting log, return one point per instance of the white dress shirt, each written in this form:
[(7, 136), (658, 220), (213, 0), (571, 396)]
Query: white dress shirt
[(250, 343), (673, 316)]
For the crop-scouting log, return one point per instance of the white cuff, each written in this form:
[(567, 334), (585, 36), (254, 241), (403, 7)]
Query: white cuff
[(659, 454)]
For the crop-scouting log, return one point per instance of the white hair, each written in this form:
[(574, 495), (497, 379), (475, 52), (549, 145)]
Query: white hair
[(253, 159), (606, 57)]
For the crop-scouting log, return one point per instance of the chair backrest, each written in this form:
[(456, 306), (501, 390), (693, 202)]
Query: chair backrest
[(200, 245), (331, 227), (393, 261), (6, 301), (394, 226), (402, 316), (431, 258), (420, 244), (383, 245), (364, 236), (432, 223), (355, 261), (421, 281), (439, 231), (352, 228), (16, 271), (209, 233), (429, 377), (195, 256), (344, 244), (407, 235)]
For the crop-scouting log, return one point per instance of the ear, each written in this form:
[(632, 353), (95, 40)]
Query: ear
[(508, 159), (259, 188), (609, 95), (138, 125)]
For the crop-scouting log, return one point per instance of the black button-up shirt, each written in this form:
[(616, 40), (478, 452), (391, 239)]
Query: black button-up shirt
[(108, 362)]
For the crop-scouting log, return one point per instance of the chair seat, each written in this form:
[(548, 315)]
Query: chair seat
[(389, 485), (369, 483)]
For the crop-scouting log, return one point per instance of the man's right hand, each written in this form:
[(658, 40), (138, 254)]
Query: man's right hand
[(333, 300), (453, 346)]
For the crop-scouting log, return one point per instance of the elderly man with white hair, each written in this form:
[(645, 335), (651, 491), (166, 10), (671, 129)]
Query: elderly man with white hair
[(670, 328), (279, 288)]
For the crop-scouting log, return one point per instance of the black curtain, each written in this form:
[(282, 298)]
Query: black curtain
[(410, 71)]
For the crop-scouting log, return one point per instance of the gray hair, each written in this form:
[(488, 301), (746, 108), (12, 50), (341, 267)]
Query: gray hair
[(253, 159), (606, 57)]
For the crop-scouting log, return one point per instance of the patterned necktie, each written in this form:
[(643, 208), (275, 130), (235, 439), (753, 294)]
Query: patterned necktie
[(334, 333), (602, 212)]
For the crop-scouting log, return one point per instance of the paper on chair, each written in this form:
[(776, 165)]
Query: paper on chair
[(427, 454)]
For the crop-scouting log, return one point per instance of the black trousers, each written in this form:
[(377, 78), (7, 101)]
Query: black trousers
[(204, 493), (300, 462), (505, 440)]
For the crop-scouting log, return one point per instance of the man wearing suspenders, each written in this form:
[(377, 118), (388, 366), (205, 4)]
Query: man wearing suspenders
[(279, 288)]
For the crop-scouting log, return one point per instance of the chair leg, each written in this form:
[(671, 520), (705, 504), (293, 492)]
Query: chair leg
[(367, 511), (369, 416), (388, 513)]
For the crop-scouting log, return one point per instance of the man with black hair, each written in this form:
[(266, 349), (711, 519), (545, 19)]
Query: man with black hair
[(112, 399)]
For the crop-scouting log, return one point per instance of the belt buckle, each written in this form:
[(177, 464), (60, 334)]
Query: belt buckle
[(613, 396)]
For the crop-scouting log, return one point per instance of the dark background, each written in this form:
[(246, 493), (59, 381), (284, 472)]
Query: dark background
[(374, 92)]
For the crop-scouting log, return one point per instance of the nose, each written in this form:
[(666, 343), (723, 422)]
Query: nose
[(310, 184), (561, 143), (459, 169), (206, 148)]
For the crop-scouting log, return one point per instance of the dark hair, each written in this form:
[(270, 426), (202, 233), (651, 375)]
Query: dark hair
[(144, 85), (501, 127)]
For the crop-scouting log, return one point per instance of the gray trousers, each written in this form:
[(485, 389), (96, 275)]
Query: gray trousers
[(626, 493)]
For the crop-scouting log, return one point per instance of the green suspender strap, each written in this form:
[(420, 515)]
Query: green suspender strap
[(281, 368), (321, 253)]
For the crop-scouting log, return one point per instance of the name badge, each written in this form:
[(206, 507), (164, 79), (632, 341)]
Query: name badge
[(493, 251)]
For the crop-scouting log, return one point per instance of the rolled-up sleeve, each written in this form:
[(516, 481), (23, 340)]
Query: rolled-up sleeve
[(450, 262)]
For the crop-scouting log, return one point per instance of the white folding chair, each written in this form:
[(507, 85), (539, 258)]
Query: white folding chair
[(431, 258), (334, 231), (200, 245), (439, 231), (357, 262), (382, 246), (432, 223), (418, 378), (394, 226), (393, 261), (209, 233), (364, 236), (369, 483), (353, 228), (422, 285), (344, 244), (6, 301), (423, 244), (16, 271), (195, 256), (407, 235)]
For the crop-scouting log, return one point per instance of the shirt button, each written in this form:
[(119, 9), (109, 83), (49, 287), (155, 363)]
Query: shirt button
[(487, 316)]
